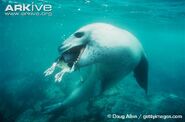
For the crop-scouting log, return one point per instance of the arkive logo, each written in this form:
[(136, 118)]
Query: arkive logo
[(28, 9)]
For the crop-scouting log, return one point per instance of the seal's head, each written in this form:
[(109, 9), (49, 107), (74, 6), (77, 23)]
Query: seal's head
[(80, 48), (89, 45)]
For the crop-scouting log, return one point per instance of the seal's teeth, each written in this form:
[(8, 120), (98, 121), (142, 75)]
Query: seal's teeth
[(75, 62)]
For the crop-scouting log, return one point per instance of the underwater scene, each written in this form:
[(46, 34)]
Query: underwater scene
[(92, 60)]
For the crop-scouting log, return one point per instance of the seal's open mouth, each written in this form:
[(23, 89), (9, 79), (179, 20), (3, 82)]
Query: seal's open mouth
[(67, 62), (72, 55)]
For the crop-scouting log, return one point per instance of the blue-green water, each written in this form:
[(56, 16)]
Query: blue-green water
[(28, 46)]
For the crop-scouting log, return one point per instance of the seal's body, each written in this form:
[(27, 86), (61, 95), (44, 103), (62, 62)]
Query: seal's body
[(110, 52)]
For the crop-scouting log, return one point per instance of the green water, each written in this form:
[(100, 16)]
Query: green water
[(28, 44)]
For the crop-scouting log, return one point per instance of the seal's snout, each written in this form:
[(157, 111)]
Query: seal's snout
[(60, 48), (63, 48)]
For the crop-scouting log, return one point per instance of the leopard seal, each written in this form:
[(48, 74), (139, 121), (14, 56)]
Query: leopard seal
[(109, 51)]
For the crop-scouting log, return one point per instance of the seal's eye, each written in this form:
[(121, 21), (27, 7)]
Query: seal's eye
[(79, 34)]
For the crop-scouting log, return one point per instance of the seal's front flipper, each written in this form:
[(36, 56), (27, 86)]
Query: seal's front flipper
[(52, 109), (141, 73)]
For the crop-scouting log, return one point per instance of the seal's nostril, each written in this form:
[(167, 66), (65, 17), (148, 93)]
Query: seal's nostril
[(59, 48)]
